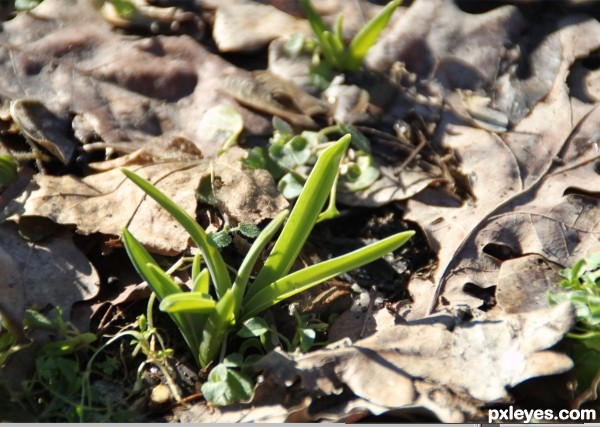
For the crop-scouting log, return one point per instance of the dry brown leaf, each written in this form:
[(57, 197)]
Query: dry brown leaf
[(107, 201), (389, 188), (156, 150), (523, 283), (261, 23), (521, 202), (115, 86), (432, 31), (247, 26), (400, 366), (492, 53), (38, 274), (245, 195)]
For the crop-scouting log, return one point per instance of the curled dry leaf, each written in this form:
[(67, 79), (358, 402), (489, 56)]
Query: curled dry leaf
[(43, 128), (526, 202), (401, 366), (163, 148)]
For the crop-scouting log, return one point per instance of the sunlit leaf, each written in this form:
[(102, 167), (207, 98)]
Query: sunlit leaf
[(193, 302), (249, 230), (211, 255), (222, 124), (301, 280), (361, 174), (254, 327), (290, 186), (226, 386), (303, 216)]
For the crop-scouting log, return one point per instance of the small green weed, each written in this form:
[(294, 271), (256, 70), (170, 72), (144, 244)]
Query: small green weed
[(331, 44), (55, 392), (581, 285), (229, 382), (289, 156), (72, 383), (206, 318)]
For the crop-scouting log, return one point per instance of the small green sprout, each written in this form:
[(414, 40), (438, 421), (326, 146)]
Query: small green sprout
[(335, 53), (289, 156), (205, 317), (581, 285), (223, 237)]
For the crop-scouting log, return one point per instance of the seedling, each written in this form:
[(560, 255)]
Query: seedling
[(204, 317), (289, 156), (56, 389), (223, 237), (581, 285), (334, 51)]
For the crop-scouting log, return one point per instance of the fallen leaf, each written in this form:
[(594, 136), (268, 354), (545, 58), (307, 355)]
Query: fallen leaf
[(41, 127), (521, 204), (430, 31), (245, 195), (523, 283), (161, 149), (273, 23), (64, 55), (390, 188), (107, 201), (401, 366), (38, 274)]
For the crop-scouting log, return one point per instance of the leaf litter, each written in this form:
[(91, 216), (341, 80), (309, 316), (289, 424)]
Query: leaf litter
[(513, 195)]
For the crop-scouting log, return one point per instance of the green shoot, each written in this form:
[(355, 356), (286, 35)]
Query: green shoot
[(581, 285), (335, 53), (206, 322)]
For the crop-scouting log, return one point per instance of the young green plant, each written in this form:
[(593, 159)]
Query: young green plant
[(581, 287), (205, 318), (337, 55)]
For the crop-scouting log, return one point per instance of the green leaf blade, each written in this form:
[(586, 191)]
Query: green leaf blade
[(218, 324), (215, 263), (8, 169), (201, 282), (188, 302), (319, 29), (142, 261), (147, 268), (304, 215), (308, 277), (367, 36), (263, 239)]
